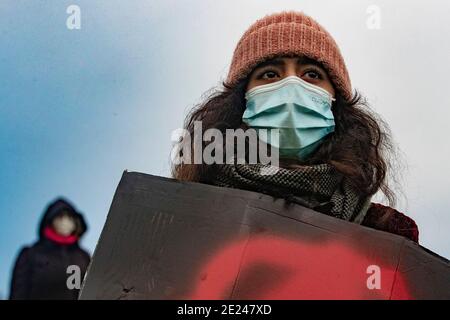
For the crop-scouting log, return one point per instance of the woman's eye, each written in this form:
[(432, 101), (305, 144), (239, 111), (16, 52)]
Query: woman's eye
[(269, 75), (313, 75)]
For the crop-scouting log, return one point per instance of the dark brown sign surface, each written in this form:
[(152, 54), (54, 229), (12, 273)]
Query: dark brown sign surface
[(165, 239)]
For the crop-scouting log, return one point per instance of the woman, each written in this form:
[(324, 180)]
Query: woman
[(41, 271), (287, 73)]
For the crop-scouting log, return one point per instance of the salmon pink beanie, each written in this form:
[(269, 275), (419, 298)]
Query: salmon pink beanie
[(289, 33)]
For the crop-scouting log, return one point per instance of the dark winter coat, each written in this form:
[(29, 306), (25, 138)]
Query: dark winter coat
[(40, 271)]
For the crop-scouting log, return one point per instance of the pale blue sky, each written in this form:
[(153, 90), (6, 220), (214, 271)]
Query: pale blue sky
[(77, 107)]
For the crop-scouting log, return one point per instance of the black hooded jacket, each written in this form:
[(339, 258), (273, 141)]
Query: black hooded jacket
[(40, 271)]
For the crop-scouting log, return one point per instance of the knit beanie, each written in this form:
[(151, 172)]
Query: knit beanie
[(288, 33)]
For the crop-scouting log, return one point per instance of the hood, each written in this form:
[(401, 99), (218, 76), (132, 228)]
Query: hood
[(55, 208)]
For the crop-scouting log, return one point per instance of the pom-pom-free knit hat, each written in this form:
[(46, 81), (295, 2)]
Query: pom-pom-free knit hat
[(289, 33)]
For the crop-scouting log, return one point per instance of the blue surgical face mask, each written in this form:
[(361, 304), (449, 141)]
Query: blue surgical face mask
[(299, 110)]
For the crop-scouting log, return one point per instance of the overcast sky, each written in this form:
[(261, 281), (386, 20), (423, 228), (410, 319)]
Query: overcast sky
[(77, 107)]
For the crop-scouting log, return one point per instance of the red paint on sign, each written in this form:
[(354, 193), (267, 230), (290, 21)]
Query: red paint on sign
[(268, 267)]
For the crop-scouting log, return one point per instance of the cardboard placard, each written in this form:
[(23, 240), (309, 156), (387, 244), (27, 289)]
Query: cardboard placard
[(165, 239)]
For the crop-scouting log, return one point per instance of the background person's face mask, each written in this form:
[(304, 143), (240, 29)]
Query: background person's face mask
[(299, 110)]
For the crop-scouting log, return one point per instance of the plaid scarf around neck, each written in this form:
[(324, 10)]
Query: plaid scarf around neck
[(319, 187)]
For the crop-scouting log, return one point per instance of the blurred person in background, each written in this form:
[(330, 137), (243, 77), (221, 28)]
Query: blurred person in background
[(41, 271)]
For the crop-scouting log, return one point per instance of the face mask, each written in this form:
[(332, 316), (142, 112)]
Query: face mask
[(64, 225), (299, 110)]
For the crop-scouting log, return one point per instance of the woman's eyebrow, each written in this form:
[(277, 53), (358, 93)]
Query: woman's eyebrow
[(272, 62), (306, 60), (281, 62)]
